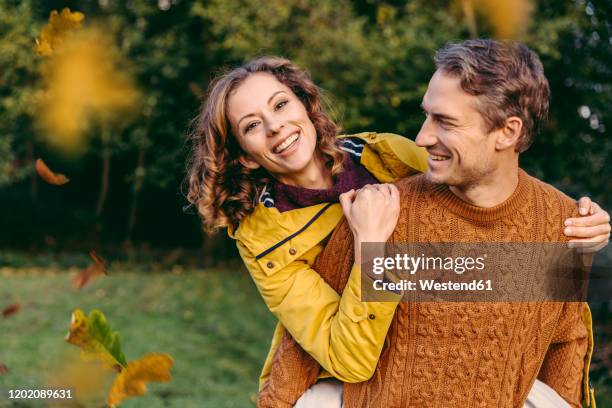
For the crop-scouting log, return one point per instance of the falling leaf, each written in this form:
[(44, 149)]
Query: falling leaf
[(509, 19), (93, 270), (96, 339), (11, 309), (60, 25), (85, 85), (3, 369), (132, 380), (49, 176), (89, 381)]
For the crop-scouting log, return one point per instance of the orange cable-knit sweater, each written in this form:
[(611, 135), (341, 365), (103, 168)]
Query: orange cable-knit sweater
[(456, 354)]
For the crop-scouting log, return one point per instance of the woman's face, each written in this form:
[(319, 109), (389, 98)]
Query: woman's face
[(273, 128)]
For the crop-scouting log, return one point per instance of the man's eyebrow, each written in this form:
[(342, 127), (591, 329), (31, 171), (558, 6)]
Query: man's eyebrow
[(439, 116), (251, 114)]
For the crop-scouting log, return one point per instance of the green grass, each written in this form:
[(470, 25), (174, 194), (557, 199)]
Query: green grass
[(212, 323)]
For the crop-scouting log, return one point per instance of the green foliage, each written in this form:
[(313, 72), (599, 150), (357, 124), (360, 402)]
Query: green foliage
[(374, 59), (18, 86)]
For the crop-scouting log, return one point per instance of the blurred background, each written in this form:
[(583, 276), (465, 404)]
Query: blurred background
[(105, 92)]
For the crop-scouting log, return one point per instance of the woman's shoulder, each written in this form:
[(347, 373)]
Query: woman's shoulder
[(387, 156), (266, 229)]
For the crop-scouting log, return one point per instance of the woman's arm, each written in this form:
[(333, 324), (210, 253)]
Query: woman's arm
[(344, 334), (339, 332)]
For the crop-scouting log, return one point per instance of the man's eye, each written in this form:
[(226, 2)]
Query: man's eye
[(444, 125), (250, 126), (280, 105)]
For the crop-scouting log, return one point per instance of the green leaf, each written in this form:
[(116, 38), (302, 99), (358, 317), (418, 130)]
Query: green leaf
[(95, 337)]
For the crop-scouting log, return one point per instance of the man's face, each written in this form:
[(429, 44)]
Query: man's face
[(461, 151)]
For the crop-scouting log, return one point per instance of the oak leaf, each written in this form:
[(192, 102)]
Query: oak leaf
[(96, 339), (59, 26), (93, 270), (3, 369), (132, 380), (49, 176)]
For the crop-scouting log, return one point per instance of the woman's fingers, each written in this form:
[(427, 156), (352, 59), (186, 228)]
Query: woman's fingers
[(346, 199)]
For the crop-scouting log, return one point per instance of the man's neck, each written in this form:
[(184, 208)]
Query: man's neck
[(490, 192)]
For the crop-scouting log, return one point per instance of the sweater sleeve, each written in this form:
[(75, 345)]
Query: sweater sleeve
[(344, 334), (563, 365)]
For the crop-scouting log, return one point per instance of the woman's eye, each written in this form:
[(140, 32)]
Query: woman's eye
[(280, 105), (250, 126)]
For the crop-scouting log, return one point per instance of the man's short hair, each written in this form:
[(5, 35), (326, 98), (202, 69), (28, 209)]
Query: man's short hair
[(508, 79)]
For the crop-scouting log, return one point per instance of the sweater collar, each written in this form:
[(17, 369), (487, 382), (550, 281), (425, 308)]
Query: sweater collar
[(517, 200)]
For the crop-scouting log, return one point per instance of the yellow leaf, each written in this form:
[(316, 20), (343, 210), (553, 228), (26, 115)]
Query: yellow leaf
[(59, 26), (132, 380), (509, 18), (84, 86), (89, 381)]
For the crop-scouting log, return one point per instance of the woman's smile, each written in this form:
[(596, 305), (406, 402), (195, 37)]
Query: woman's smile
[(288, 145)]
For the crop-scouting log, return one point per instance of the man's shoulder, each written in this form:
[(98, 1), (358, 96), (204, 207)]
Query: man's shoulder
[(409, 186), (553, 197)]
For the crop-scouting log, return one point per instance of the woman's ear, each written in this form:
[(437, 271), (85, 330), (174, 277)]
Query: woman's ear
[(510, 134), (247, 162)]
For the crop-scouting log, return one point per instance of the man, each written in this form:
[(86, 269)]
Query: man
[(483, 107)]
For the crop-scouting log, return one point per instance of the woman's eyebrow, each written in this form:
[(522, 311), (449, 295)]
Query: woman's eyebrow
[(252, 114), (273, 95)]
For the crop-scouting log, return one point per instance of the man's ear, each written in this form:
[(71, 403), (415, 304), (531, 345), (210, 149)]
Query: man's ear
[(510, 134), (247, 162)]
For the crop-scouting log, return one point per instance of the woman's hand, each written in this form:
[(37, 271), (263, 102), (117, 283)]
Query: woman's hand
[(372, 213), (592, 230)]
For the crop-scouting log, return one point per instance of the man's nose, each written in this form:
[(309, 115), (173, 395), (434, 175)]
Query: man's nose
[(427, 135)]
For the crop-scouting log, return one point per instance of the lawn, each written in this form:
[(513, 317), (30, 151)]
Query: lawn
[(213, 323)]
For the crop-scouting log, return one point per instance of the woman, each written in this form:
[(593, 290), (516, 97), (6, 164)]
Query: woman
[(268, 165)]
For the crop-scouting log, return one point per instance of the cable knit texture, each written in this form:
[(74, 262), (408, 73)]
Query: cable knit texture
[(456, 354)]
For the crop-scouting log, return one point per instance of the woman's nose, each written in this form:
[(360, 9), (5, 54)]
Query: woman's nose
[(274, 125)]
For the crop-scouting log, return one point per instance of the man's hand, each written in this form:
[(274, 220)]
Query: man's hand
[(591, 231), (372, 213)]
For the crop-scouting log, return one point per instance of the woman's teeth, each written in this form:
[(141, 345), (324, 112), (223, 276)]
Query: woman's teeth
[(438, 158), (288, 141)]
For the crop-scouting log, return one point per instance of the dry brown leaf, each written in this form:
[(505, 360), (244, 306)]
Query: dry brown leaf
[(11, 309), (93, 270), (49, 176), (3, 369)]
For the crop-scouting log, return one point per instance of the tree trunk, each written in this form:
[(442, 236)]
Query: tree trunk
[(106, 157), (33, 176), (136, 187)]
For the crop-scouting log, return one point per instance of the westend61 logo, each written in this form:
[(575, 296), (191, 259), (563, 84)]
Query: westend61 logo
[(412, 264)]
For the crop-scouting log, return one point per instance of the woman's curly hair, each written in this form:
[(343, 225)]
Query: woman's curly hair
[(219, 186)]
